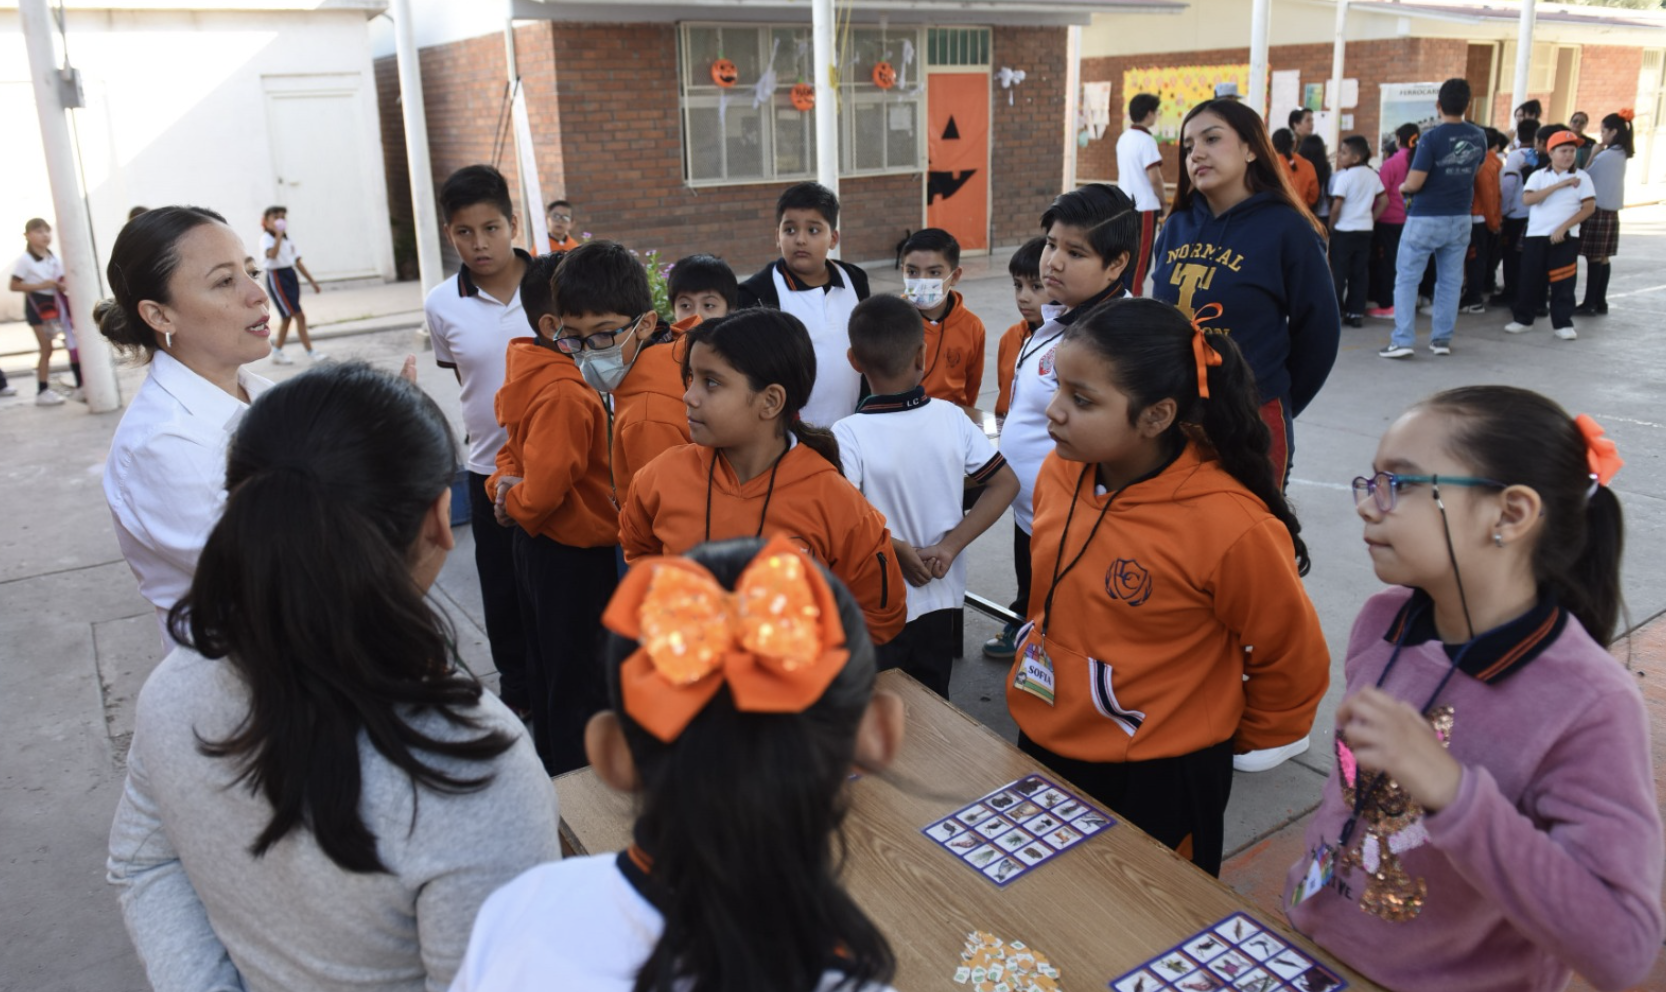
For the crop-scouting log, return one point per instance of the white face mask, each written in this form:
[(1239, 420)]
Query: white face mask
[(923, 293), (280, 225)]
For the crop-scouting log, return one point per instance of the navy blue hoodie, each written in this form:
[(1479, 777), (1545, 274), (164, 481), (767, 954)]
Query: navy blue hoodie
[(1265, 265)]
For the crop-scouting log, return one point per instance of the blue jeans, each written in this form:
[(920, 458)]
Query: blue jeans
[(1447, 239)]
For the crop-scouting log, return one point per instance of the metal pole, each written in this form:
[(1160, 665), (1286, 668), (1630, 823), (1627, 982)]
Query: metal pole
[(1072, 103), (1260, 14), (1524, 52), (1334, 90), (416, 148), (827, 100), (98, 371)]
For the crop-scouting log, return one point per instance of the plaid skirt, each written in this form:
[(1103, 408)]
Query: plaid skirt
[(1599, 236)]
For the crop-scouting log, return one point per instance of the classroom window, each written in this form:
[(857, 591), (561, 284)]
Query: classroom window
[(958, 46), (726, 139)]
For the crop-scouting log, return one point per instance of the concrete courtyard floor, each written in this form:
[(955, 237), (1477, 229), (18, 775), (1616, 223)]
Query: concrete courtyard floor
[(76, 640)]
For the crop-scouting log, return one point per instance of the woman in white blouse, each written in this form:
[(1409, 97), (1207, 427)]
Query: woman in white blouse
[(184, 303)]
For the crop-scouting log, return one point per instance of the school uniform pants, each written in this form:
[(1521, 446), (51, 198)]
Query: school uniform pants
[(1021, 571), (563, 592), (1350, 267), (1476, 263), (1281, 425), (924, 650), (1142, 258), (1509, 255), (1180, 801), (1543, 262), (1385, 250), (494, 560)]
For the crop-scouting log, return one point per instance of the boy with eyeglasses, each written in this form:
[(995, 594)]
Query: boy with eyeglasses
[(558, 217)]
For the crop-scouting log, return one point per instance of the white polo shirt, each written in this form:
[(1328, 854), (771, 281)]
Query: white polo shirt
[(471, 331), (1358, 185), (1136, 151), (910, 456), (165, 479), (287, 254), (1554, 210)]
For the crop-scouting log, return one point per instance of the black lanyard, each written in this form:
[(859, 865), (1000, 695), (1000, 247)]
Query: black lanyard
[(1362, 791), (1058, 575), (768, 493)]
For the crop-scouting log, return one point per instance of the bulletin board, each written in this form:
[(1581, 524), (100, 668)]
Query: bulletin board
[(1180, 88)]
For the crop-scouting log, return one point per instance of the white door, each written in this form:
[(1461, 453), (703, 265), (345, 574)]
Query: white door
[(318, 159)]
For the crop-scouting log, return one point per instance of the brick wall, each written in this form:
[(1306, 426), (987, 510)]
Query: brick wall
[(1406, 60), (394, 165), (1607, 81), (1028, 154)]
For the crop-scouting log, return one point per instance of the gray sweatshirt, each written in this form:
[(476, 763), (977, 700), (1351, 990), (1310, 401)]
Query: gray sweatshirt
[(1608, 174), (206, 916)]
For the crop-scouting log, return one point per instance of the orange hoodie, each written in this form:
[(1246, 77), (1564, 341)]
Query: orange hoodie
[(1006, 361), (648, 411), (1303, 178), (558, 445), (1189, 585), (1488, 200), (807, 499), (954, 354)]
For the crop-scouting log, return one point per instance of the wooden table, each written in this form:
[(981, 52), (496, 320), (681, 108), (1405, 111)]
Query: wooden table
[(1098, 910)]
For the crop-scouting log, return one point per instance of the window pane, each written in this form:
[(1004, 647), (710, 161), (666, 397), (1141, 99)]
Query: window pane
[(795, 140), (699, 50), (732, 150), (902, 124), (705, 152), (868, 120)]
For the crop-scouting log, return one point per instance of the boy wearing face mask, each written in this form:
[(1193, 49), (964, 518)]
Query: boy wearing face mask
[(954, 334), (553, 489), (601, 291)]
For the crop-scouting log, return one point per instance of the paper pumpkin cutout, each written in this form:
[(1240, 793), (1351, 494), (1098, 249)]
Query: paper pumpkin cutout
[(724, 73), (804, 96), (884, 76)]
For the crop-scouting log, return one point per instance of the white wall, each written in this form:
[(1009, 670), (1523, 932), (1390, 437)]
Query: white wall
[(176, 113), (440, 22)]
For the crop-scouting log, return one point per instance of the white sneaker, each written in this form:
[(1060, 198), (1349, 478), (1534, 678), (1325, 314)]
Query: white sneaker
[(1269, 758), (66, 379), (1440, 347), (78, 394), (279, 358), (1514, 327), (1567, 333), (1395, 351), (48, 398), (1427, 310), (8, 390), (317, 356)]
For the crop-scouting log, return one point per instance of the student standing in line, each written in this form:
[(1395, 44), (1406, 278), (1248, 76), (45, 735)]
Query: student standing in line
[(1518, 164), (1559, 198), (1139, 171), (954, 334), (1357, 199), (1491, 823), (558, 218), (1385, 242), (1599, 237)]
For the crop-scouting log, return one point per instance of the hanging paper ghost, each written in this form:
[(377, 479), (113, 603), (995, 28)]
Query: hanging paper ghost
[(1009, 78), (765, 90)]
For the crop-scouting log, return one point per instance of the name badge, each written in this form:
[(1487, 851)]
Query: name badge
[(1035, 673), (1319, 872)]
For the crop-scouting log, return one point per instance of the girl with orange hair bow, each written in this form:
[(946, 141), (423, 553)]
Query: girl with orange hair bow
[(742, 694), (1600, 236), (1490, 823)]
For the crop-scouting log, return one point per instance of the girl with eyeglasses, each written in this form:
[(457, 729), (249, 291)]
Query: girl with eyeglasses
[(1491, 823)]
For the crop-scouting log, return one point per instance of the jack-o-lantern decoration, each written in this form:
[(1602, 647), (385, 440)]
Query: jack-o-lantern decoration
[(724, 73), (884, 76), (804, 96)]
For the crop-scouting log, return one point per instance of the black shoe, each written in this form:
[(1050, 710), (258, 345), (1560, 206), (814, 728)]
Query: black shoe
[(1590, 310), (1353, 321), (1543, 311)]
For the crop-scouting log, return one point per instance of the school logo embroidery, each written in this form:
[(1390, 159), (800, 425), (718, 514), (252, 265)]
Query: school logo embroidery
[(955, 356), (1047, 361), (1128, 581)]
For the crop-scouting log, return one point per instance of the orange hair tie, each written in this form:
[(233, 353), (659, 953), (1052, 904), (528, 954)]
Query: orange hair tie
[(1626, 114), (776, 641), (1601, 454), (1203, 354)]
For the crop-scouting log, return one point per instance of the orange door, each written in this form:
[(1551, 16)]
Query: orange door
[(957, 180)]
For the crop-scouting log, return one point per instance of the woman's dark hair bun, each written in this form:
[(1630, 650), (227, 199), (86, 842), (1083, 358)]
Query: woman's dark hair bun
[(112, 323)]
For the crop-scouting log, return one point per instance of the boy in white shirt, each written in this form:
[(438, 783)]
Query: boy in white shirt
[(283, 260), (1139, 171), (912, 457), (1357, 200), (1558, 197)]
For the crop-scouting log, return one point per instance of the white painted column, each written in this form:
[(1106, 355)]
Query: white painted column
[(1524, 53), (526, 155), (1334, 90), (98, 371), (827, 100), (1261, 13), (1072, 103), (427, 218)]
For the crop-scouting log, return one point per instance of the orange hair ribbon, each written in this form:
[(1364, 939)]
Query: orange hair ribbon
[(1626, 114), (1601, 454), (776, 641), (1203, 354)]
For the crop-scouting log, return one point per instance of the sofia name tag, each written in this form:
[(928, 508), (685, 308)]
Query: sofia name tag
[(1035, 673)]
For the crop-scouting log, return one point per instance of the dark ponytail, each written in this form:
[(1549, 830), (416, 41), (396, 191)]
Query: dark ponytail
[(1625, 139), (1522, 438), (742, 815), (305, 588), (142, 262), (770, 348), (1149, 346)]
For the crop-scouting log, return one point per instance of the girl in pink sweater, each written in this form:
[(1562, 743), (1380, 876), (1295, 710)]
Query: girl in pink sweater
[(1492, 822)]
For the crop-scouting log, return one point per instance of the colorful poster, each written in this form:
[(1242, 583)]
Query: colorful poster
[(1180, 88), (1406, 103)]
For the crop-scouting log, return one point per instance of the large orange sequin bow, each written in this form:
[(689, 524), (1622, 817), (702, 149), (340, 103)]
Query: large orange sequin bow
[(776, 641), (1203, 354), (1600, 452)]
